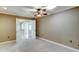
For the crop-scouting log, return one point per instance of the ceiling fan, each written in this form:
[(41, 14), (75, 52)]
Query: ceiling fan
[(42, 11)]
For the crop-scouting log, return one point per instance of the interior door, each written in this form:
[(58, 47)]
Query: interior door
[(25, 29)]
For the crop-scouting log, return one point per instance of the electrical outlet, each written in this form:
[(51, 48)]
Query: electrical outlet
[(70, 41), (78, 45), (8, 37)]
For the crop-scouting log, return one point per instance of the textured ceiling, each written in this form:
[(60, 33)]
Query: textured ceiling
[(28, 11)]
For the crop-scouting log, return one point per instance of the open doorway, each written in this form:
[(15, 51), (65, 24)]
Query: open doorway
[(25, 29)]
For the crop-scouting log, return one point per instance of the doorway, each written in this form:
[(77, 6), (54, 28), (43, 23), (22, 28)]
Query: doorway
[(25, 29)]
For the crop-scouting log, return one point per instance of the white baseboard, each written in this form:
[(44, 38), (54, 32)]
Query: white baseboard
[(59, 44), (7, 42)]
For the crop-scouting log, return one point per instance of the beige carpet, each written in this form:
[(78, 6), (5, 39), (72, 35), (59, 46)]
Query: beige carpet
[(33, 45)]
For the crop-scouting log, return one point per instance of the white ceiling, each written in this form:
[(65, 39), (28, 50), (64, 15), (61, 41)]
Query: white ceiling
[(28, 11)]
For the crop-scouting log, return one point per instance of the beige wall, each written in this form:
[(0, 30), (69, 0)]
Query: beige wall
[(61, 27), (7, 27)]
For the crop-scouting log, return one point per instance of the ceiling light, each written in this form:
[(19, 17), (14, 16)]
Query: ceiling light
[(50, 7)]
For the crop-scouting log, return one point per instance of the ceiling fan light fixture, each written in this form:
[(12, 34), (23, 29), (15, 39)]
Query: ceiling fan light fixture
[(40, 12)]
